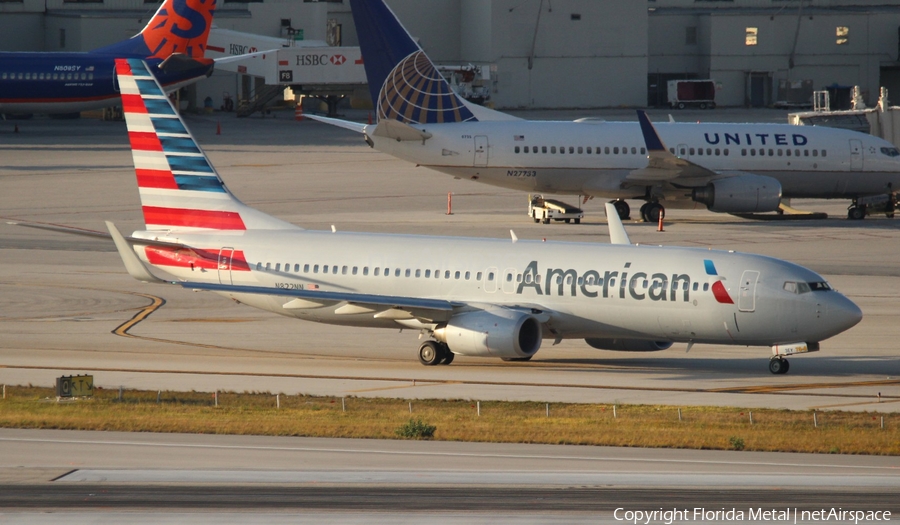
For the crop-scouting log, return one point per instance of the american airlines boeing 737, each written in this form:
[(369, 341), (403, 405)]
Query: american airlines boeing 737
[(730, 168), (469, 296)]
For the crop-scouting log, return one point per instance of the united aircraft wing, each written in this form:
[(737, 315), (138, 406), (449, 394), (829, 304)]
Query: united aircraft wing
[(663, 165), (391, 129), (346, 124)]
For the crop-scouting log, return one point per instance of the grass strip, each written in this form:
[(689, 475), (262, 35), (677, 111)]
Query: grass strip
[(723, 428)]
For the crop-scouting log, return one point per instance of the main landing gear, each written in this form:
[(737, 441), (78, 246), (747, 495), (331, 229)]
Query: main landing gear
[(623, 209), (433, 353), (779, 365), (651, 211)]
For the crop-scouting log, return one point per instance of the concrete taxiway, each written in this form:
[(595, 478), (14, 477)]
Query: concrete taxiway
[(67, 302), (89, 476)]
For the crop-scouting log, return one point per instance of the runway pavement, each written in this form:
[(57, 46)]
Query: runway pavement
[(64, 296), (96, 475)]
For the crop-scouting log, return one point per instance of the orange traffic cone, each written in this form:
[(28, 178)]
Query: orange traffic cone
[(218, 128), (298, 113), (662, 215)]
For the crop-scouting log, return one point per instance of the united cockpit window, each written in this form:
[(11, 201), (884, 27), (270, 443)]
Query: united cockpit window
[(891, 152)]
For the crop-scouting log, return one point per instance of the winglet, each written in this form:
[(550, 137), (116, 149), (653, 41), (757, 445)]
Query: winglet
[(651, 137), (133, 265), (617, 234)]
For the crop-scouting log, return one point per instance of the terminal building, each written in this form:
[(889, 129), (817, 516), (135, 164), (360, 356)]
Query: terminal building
[(551, 53)]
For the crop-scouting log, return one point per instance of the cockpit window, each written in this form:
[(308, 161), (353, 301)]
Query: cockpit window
[(891, 152), (798, 288)]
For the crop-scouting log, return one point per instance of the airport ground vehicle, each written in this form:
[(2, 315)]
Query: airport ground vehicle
[(692, 93), (545, 210)]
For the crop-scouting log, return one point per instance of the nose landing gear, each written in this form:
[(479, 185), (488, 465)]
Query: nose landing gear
[(779, 365)]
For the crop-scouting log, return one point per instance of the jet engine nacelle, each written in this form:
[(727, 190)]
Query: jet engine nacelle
[(628, 345), (496, 332), (740, 194)]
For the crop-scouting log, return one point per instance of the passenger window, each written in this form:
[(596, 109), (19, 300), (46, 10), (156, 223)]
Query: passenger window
[(377, 272), (325, 268), (725, 151), (316, 268), (743, 152), (815, 153), (588, 150), (562, 150), (752, 152), (543, 149), (796, 152), (517, 149), (408, 272), (478, 276), (365, 270), (771, 153), (528, 278), (509, 277), (700, 151), (418, 273), (447, 274), (691, 151), (779, 152), (787, 152), (354, 270), (717, 152), (259, 267), (468, 275), (490, 276), (552, 149), (571, 149), (456, 276), (569, 279), (616, 150), (696, 285), (427, 274), (580, 150), (518, 278), (824, 153), (606, 150), (343, 270), (634, 151), (643, 151), (806, 153), (437, 274)]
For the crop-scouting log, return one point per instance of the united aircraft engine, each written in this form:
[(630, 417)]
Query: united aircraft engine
[(746, 193)]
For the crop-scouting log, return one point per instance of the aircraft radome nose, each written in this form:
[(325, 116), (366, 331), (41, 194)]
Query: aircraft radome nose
[(843, 313)]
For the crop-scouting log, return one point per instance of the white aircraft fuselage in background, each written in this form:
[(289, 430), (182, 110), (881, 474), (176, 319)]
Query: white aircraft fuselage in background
[(596, 158)]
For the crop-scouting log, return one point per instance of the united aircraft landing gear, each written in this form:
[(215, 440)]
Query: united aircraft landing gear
[(779, 365), (433, 353), (622, 208), (651, 211)]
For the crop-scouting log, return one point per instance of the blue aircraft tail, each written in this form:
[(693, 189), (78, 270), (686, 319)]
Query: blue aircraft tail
[(403, 81), (179, 26)]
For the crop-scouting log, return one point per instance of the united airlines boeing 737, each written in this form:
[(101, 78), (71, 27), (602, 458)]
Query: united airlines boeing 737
[(472, 297), (731, 168), (172, 43)]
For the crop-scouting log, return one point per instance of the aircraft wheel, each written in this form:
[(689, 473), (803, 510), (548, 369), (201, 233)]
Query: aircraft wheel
[(516, 359), (681, 105), (448, 356), (778, 365), (644, 212), (429, 353), (623, 208), (856, 213), (654, 210)]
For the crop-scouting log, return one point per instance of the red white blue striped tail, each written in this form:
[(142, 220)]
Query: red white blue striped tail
[(179, 187)]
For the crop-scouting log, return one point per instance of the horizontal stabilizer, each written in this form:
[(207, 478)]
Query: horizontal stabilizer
[(133, 265), (179, 62), (239, 58), (346, 124), (617, 233), (399, 131)]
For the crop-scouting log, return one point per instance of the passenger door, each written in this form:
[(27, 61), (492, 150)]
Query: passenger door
[(224, 266), (747, 293)]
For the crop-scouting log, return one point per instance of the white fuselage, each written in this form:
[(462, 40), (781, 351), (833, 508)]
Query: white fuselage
[(640, 292), (595, 157)]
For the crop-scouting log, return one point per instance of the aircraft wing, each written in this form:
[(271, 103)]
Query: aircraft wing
[(381, 306), (663, 166)]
